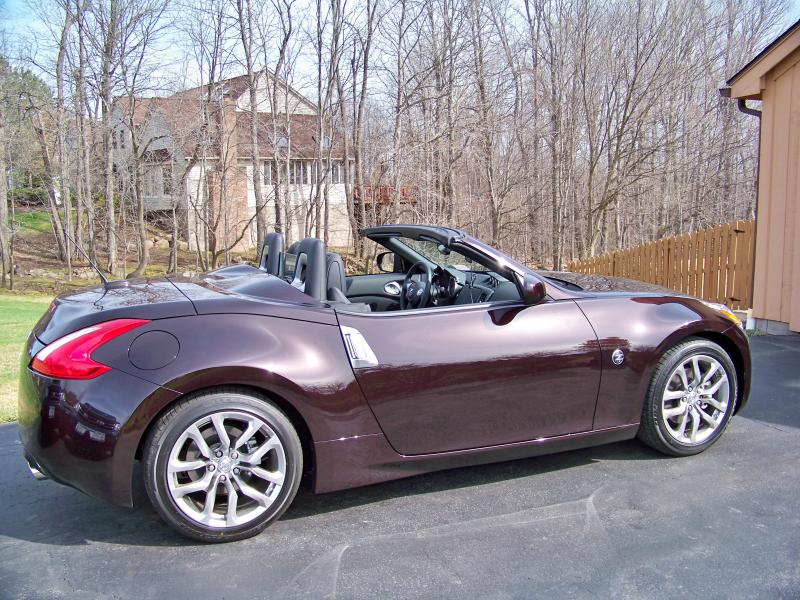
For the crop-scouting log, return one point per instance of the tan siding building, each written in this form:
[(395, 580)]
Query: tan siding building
[(774, 78)]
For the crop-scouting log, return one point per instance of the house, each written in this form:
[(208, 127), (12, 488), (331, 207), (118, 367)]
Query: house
[(192, 150), (773, 77)]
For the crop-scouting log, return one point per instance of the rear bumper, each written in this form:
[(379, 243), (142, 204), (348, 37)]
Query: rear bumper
[(36, 470), (81, 433)]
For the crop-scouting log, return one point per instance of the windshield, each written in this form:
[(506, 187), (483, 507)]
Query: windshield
[(442, 256)]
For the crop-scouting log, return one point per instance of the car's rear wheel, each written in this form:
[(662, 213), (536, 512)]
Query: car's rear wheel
[(691, 398), (222, 465)]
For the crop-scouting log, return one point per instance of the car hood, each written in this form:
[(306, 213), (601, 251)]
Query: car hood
[(604, 284)]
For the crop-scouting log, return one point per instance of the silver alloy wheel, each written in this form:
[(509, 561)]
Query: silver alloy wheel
[(695, 400), (226, 469)]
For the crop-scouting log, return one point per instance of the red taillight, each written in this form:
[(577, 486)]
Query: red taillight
[(70, 357)]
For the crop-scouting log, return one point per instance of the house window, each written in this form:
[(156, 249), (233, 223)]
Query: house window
[(122, 139), (271, 174), (148, 187), (157, 181), (298, 174), (166, 180), (282, 141), (266, 171), (336, 172)]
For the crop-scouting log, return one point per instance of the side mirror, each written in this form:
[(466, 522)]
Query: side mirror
[(533, 290), (386, 262)]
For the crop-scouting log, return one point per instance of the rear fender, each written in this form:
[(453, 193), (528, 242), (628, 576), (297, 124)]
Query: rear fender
[(302, 363)]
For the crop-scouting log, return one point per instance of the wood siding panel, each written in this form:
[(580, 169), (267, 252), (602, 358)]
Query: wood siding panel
[(777, 253)]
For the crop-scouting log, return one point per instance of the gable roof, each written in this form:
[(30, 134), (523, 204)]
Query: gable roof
[(182, 113), (237, 86), (746, 83)]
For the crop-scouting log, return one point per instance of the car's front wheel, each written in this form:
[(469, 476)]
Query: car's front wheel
[(221, 466), (691, 398)]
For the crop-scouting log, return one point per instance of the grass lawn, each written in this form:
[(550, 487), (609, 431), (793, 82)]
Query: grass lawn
[(18, 315), (34, 220)]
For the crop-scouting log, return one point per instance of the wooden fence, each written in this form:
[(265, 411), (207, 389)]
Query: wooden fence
[(713, 264)]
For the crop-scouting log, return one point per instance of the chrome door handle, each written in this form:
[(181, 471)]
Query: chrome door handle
[(392, 288)]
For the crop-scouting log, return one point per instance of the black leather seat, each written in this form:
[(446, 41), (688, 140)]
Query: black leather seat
[(321, 275), (272, 258)]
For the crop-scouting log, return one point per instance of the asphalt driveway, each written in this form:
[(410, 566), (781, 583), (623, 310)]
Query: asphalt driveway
[(618, 520)]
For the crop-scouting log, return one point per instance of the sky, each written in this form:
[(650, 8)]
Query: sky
[(18, 22)]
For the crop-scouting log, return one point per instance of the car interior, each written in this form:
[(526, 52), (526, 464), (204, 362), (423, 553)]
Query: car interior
[(415, 273)]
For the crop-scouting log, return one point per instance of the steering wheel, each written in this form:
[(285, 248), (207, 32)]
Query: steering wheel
[(416, 294)]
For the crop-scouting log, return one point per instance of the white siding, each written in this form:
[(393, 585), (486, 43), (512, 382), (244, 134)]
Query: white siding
[(297, 104), (339, 226)]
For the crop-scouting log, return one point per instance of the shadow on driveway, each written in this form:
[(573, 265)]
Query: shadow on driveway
[(54, 514)]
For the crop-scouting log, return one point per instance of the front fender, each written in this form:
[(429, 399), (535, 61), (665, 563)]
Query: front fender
[(651, 325)]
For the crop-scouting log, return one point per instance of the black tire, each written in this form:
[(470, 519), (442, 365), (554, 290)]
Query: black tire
[(653, 431), (172, 424)]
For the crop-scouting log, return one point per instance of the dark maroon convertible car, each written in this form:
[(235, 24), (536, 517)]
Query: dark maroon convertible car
[(229, 387)]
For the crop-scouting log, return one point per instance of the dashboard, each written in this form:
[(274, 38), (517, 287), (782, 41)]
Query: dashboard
[(453, 286)]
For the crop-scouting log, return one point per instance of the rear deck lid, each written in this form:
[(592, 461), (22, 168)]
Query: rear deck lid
[(136, 298), (243, 289)]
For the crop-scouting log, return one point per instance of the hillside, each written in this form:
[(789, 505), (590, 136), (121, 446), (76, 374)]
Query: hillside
[(38, 270)]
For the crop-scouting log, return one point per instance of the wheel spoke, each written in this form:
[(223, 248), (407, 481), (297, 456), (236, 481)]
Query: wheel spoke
[(707, 418), (252, 427), (255, 457), (674, 394), (713, 402), (194, 486), (181, 466), (715, 388), (233, 504), (682, 375), (707, 377), (271, 476), (696, 376), (211, 500), (682, 424), (253, 493), (194, 433), (219, 426), (669, 413), (695, 426)]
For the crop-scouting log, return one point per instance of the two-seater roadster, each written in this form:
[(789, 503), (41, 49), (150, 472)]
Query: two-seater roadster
[(230, 386)]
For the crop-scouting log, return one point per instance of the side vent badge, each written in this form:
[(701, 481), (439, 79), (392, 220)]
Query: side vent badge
[(618, 356), (358, 350)]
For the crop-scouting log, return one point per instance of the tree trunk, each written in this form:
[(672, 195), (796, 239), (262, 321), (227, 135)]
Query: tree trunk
[(109, 48), (5, 232)]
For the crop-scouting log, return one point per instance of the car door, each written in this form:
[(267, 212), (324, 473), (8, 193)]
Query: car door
[(478, 375), (381, 291)]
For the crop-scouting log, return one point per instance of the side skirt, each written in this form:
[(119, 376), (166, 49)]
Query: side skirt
[(367, 459)]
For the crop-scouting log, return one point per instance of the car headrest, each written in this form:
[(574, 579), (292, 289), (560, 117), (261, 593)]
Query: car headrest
[(334, 265), (309, 271), (272, 254)]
